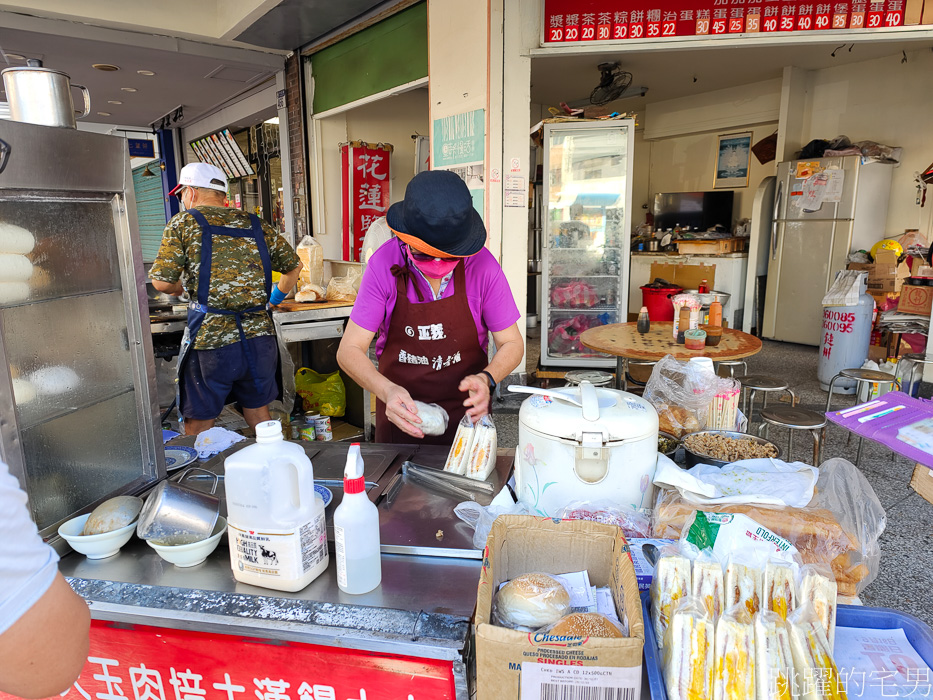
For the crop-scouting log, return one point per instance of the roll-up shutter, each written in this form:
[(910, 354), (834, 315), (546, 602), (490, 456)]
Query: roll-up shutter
[(150, 211)]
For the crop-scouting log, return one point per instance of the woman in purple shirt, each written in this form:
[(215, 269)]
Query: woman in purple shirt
[(431, 296)]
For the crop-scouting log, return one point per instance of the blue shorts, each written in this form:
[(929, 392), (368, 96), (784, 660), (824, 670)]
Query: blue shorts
[(212, 376)]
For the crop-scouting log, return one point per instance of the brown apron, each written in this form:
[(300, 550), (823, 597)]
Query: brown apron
[(430, 348)]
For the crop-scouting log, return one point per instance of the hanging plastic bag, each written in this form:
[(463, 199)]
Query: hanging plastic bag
[(343, 288), (681, 393), (311, 254), (321, 393)]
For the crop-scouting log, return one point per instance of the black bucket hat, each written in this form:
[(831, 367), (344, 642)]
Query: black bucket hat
[(437, 216)]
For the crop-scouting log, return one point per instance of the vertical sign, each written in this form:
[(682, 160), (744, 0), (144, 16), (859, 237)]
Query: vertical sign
[(366, 191), (459, 145)]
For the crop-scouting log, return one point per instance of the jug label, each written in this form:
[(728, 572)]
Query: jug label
[(286, 555)]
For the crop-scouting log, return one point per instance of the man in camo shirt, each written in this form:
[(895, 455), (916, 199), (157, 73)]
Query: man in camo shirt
[(231, 350)]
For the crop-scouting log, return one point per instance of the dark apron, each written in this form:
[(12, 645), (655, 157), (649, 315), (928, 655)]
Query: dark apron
[(197, 310), (430, 348)]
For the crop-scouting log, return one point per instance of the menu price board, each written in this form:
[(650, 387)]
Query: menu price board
[(619, 20)]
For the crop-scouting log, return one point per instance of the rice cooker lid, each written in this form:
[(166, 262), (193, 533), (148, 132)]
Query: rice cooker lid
[(617, 414)]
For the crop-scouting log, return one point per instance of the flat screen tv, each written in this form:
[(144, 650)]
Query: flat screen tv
[(698, 210)]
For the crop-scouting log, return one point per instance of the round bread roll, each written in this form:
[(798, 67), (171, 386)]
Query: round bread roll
[(533, 601), (586, 625)]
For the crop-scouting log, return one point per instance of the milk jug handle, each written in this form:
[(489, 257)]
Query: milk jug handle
[(305, 486)]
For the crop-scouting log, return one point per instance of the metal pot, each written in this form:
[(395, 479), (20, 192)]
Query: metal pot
[(694, 458), (40, 95), (174, 514)]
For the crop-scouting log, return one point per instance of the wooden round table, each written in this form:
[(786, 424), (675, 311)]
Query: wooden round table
[(625, 342)]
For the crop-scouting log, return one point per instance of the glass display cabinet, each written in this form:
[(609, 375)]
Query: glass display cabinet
[(78, 411), (587, 234)]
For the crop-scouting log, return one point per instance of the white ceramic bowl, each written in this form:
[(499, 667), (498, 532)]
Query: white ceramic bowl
[(94, 546), (190, 554)]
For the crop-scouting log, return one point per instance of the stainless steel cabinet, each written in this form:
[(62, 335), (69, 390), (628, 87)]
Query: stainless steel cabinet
[(78, 418)]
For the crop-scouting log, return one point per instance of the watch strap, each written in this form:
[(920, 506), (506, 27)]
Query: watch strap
[(492, 380)]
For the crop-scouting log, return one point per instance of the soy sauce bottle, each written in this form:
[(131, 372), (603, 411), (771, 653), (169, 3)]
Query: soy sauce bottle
[(643, 324)]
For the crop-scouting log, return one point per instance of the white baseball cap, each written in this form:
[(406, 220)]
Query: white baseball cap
[(201, 175)]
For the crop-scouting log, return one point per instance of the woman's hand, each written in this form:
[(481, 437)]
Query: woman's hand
[(401, 410), (477, 403)]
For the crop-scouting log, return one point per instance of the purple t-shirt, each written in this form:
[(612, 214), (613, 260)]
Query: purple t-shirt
[(488, 293)]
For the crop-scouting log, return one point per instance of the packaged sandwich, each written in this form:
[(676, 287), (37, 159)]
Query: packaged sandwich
[(818, 589), (672, 581), (433, 418), (743, 586), (459, 455), (813, 660), (774, 667), (689, 652), (734, 659), (708, 584), (530, 602), (483, 450), (780, 589)]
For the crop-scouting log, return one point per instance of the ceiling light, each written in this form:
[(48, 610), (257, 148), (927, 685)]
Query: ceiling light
[(128, 89), (273, 120), (147, 172), (106, 67), (145, 72), (114, 102), (15, 56), (103, 114)]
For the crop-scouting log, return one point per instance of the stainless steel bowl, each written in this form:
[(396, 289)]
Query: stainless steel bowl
[(670, 453), (174, 514), (693, 458)]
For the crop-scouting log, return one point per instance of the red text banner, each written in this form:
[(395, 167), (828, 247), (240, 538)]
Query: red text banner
[(366, 182)]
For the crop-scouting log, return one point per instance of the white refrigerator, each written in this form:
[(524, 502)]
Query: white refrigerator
[(807, 247)]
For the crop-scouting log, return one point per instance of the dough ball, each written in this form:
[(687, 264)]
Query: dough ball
[(532, 601), (433, 418), (586, 625)]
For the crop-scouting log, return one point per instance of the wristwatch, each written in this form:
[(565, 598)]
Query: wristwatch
[(492, 380)]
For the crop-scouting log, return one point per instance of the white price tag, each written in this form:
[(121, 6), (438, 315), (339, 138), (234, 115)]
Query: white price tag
[(552, 682)]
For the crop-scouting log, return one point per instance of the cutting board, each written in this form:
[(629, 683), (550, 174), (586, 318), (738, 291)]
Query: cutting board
[(311, 305)]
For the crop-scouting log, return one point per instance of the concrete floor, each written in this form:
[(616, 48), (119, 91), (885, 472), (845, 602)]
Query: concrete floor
[(905, 580)]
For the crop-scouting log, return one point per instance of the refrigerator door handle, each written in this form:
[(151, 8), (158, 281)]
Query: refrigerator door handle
[(774, 219)]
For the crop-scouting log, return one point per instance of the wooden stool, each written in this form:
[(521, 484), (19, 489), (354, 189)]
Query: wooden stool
[(860, 376), (794, 418), (731, 365), (753, 383)]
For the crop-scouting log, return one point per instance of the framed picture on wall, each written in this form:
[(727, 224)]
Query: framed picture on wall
[(732, 160)]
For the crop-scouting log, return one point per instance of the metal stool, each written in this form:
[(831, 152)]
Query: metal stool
[(794, 418), (731, 365), (753, 383), (640, 363), (860, 376), (913, 362)]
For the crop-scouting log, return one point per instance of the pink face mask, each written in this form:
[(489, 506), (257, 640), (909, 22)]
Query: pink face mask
[(436, 268)]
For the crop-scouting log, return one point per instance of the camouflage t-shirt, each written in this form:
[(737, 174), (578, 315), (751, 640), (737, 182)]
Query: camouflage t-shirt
[(237, 280)]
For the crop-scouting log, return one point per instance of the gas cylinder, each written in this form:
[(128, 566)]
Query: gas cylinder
[(845, 338)]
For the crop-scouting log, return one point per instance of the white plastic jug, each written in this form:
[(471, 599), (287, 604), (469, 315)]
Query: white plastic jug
[(276, 524)]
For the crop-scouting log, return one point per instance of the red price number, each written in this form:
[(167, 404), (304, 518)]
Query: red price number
[(669, 29), (804, 23), (840, 21), (621, 31), (636, 31), (771, 24), (857, 20), (822, 22), (875, 20), (572, 34), (893, 19), (588, 33)]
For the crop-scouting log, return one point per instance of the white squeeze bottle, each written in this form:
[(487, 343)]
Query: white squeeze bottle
[(356, 531), (276, 525)]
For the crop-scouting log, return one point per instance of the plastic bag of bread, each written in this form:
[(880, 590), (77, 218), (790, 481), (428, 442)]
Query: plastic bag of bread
[(530, 602), (433, 418), (586, 625), (634, 523), (681, 393), (343, 288), (483, 450), (840, 526), (310, 292), (459, 455)]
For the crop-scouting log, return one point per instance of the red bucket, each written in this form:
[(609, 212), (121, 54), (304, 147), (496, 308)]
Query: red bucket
[(658, 301)]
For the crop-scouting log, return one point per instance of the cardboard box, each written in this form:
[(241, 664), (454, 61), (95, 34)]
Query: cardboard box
[(686, 276), (916, 300), (509, 663), (922, 481), (913, 12), (884, 275)]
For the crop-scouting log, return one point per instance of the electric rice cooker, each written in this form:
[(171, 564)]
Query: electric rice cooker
[(586, 443)]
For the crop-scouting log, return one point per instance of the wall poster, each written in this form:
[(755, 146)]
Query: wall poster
[(459, 145), (732, 160)]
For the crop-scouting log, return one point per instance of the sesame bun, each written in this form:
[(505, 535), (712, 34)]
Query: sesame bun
[(586, 625), (532, 601)]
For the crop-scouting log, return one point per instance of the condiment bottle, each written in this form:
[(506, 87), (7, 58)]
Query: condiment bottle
[(704, 287), (683, 324), (356, 531), (715, 313), (644, 323)]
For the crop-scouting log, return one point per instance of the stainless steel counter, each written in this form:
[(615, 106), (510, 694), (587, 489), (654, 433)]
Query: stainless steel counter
[(422, 608)]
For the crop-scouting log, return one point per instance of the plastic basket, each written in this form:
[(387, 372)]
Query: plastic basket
[(918, 634)]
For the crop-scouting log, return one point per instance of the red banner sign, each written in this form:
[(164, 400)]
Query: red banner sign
[(135, 662), (366, 182), (617, 20)]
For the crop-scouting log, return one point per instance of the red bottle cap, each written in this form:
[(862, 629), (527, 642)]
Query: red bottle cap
[(357, 485)]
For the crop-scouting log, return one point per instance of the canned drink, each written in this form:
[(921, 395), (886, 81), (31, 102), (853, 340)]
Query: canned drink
[(322, 428), (307, 430)]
